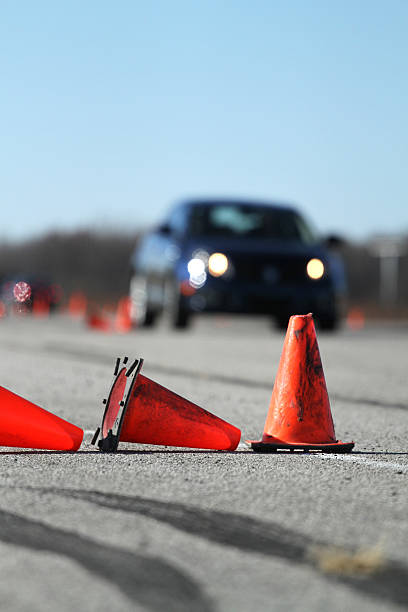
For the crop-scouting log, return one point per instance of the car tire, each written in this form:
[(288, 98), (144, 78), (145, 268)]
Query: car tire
[(148, 320), (178, 316), (282, 321), (328, 323), (142, 315)]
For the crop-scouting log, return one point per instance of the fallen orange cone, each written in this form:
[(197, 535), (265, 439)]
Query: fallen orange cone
[(98, 322), (299, 414), (25, 425), (152, 414)]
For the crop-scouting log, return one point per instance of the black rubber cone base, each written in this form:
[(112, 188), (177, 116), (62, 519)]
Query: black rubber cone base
[(116, 405), (274, 447)]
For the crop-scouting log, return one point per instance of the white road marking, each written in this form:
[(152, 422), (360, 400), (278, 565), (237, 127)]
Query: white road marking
[(387, 465), (89, 432), (374, 463)]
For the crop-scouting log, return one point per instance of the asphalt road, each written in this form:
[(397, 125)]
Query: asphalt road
[(162, 529)]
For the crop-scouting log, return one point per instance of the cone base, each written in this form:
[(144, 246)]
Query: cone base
[(272, 447)]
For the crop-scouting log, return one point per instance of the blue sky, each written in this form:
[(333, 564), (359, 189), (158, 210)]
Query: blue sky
[(110, 111)]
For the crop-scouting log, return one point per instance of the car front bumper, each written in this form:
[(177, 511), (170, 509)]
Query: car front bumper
[(279, 300)]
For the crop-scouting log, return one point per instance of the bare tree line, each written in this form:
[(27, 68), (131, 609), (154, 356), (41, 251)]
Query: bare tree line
[(98, 264), (92, 262)]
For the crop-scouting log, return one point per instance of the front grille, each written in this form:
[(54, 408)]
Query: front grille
[(267, 268)]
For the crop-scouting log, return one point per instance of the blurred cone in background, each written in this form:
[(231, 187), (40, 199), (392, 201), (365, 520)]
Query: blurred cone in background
[(25, 425), (299, 414), (98, 321), (77, 305), (41, 306), (355, 319), (123, 321)]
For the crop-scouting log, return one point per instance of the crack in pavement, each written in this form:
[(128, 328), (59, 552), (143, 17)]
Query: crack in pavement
[(389, 582), (151, 582)]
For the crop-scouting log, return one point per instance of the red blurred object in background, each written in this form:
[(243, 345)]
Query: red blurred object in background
[(77, 304), (22, 291), (355, 319), (41, 306), (123, 321)]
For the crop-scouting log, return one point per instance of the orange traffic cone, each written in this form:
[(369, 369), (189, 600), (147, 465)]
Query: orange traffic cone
[(77, 304), (41, 306), (299, 414), (26, 425), (123, 321), (98, 322), (153, 414)]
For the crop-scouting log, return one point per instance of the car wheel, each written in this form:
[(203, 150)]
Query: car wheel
[(176, 312), (141, 313), (282, 321), (328, 323)]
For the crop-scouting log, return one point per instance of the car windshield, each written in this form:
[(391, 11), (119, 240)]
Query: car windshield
[(247, 221)]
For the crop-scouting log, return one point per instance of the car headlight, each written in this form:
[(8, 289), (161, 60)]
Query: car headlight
[(217, 264), (196, 269), (196, 266), (315, 269)]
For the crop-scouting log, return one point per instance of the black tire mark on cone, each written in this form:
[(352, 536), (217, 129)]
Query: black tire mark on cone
[(248, 534), (148, 581)]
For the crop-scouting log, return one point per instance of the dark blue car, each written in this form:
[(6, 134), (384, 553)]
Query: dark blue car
[(237, 257)]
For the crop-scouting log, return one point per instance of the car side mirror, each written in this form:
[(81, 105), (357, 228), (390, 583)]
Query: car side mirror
[(164, 229), (332, 241)]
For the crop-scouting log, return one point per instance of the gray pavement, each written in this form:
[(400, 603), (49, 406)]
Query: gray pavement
[(156, 528)]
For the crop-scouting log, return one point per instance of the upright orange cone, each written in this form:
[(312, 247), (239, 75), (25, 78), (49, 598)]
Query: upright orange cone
[(26, 425), (77, 305), (153, 414), (41, 306), (123, 321), (299, 414)]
